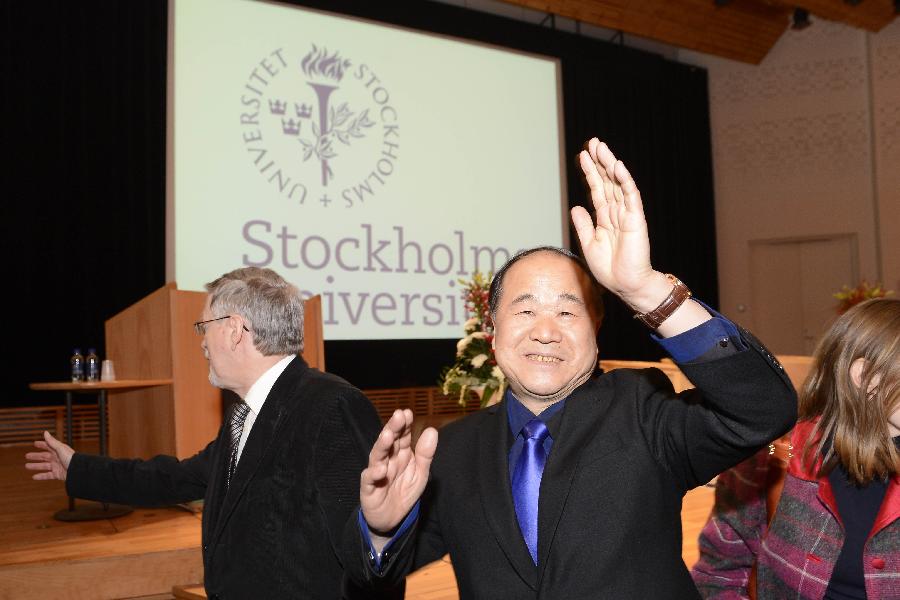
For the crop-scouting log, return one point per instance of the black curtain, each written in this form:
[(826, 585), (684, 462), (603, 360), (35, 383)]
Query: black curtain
[(85, 172), (654, 114), (84, 196)]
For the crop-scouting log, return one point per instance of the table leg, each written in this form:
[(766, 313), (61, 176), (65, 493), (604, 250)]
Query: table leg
[(102, 408), (69, 426), (90, 512)]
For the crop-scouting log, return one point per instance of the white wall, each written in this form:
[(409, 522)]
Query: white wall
[(806, 144)]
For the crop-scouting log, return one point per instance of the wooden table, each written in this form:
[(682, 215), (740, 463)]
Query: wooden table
[(101, 389)]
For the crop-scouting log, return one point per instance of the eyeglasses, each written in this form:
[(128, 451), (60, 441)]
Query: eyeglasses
[(200, 326)]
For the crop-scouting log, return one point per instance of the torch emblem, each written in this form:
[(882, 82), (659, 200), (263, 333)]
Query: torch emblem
[(331, 124), (303, 116)]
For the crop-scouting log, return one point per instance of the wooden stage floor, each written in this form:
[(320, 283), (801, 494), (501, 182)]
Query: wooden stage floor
[(145, 553)]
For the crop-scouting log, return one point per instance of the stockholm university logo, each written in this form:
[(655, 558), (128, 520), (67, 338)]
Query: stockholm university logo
[(320, 127)]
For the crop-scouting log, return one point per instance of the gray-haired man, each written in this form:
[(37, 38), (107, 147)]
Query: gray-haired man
[(281, 478)]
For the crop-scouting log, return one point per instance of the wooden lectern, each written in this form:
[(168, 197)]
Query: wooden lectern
[(154, 339)]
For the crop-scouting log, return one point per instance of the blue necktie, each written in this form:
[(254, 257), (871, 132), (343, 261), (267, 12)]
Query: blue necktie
[(526, 482)]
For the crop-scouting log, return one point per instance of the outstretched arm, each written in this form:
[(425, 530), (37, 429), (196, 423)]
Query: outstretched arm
[(159, 481), (396, 475), (616, 246)]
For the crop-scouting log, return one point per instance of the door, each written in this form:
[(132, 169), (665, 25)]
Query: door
[(792, 282)]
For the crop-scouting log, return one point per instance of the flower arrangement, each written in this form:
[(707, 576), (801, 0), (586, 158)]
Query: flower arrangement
[(848, 296), (475, 367)]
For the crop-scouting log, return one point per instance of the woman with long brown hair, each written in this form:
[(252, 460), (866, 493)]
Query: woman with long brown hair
[(835, 533)]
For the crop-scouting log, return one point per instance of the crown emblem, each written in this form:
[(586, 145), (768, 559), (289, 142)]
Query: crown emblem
[(304, 111), (290, 127), (277, 107)]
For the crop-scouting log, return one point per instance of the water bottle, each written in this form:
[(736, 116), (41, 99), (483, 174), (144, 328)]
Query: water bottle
[(77, 362), (92, 365)]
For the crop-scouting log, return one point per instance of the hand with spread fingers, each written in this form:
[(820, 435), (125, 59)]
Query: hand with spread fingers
[(53, 460), (396, 475), (617, 247)]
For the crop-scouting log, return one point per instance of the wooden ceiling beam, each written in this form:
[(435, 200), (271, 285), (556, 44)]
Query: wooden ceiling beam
[(743, 30)]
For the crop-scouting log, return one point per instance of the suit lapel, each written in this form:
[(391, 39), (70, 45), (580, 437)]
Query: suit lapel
[(496, 493), (581, 424), (260, 440)]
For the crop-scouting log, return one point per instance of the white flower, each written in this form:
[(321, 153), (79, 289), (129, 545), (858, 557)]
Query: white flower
[(479, 360), (496, 372), (471, 323), (461, 344), (478, 334)]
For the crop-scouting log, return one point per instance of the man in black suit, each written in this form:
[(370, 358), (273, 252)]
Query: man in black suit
[(571, 487), (281, 478)]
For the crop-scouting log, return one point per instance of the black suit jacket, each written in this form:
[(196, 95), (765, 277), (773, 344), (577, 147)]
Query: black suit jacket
[(609, 523), (275, 533)]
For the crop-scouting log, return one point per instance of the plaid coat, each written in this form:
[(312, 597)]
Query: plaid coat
[(795, 554)]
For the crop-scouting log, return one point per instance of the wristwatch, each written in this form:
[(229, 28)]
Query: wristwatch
[(676, 298)]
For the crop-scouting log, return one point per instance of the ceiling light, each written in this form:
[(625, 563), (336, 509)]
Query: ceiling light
[(800, 19)]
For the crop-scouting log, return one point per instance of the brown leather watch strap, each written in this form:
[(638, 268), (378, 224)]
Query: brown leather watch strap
[(676, 298)]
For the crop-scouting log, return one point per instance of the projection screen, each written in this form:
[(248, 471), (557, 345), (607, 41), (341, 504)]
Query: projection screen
[(368, 163)]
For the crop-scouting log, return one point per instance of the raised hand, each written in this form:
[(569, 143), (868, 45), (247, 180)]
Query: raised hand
[(396, 475), (616, 247), (53, 460)]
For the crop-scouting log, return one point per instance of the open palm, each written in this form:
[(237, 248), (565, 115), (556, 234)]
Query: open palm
[(396, 475), (616, 247)]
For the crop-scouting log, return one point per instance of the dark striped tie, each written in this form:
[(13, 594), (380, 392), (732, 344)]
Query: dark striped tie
[(236, 427)]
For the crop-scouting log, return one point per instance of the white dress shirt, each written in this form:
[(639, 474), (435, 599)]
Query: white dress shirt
[(256, 397)]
